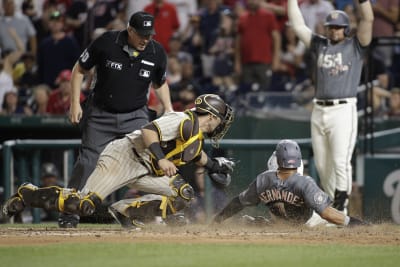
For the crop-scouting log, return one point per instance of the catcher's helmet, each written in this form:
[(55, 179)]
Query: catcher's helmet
[(213, 104), (338, 18), (288, 154)]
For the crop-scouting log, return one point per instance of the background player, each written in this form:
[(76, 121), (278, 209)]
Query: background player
[(126, 63), (338, 63), (287, 194), (146, 160)]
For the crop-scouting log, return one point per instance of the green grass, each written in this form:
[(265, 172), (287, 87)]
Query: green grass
[(154, 255)]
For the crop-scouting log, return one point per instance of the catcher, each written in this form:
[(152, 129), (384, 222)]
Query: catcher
[(288, 195), (146, 160)]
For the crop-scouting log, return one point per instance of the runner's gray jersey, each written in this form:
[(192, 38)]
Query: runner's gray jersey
[(339, 67), (294, 198)]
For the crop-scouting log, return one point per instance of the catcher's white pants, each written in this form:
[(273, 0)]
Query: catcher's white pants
[(333, 134), (118, 166)]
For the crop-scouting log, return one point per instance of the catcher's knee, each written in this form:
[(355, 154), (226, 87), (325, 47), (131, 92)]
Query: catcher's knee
[(70, 201), (182, 188)]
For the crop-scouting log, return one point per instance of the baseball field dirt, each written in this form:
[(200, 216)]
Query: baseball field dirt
[(382, 234)]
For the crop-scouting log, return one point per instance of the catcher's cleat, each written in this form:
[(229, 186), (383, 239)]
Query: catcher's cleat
[(124, 221), (68, 221), (177, 219)]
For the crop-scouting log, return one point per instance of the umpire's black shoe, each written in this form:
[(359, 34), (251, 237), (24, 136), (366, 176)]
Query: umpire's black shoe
[(68, 221), (124, 221)]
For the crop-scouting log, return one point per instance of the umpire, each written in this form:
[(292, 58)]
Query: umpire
[(125, 63)]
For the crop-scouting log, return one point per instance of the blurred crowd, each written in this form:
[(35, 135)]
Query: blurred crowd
[(236, 48)]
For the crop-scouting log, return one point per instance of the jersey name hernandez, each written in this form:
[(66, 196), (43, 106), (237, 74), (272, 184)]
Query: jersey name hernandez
[(273, 195)]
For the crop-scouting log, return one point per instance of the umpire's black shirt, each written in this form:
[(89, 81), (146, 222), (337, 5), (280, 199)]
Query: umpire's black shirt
[(123, 75)]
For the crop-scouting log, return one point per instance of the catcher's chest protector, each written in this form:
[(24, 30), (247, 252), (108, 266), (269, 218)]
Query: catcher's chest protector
[(185, 148)]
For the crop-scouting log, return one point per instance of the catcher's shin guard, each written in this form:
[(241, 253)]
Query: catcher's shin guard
[(52, 198), (71, 202), (88, 204)]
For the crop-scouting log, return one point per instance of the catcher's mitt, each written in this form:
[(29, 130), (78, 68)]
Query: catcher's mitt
[(221, 170), (220, 179)]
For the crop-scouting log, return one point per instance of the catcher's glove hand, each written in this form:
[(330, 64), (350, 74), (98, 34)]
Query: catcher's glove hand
[(220, 179), (220, 165), (220, 170)]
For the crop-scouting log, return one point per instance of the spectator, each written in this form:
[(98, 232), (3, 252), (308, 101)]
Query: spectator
[(184, 9), (7, 60), (22, 26), (314, 13), (174, 71), (379, 76), (59, 100), (278, 7), (394, 103), (192, 42), (41, 23), (175, 49), (75, 20), (185, 99), (28, 78), (291, 68), (187, 79), (223, 50), (12, 107), (28, 9), (386, 13), (258, 44), (166, 21), (210, 19), (6, 82), (134, 6), (40, 99), (57, 52)]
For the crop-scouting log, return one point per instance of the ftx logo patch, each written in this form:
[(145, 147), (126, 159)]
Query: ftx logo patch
[(113, 65)]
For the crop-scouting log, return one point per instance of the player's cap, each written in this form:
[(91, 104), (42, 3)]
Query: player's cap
[(143, 23), (337, 18), (63, 76)]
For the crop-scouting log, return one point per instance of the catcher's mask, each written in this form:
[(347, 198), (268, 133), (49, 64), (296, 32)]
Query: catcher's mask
[(288, 154), (338, 18), (213, 104)]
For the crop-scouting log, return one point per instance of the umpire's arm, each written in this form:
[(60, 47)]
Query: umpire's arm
[(78, 74), (364, 29), (164, 96)]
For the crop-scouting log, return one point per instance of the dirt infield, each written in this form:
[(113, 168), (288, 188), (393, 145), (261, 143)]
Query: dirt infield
[(384, 234)]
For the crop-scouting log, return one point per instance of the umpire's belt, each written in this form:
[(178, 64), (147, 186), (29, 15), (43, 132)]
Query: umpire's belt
[(331, 102)]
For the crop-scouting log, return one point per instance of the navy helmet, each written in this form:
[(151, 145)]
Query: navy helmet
[(338, 18), (288, 154)]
